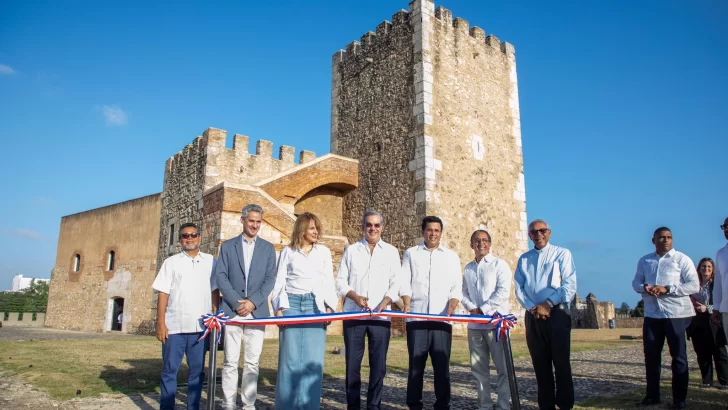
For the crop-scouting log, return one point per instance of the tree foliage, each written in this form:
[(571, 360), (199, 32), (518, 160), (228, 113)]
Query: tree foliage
[(32, 299), (639, 310)]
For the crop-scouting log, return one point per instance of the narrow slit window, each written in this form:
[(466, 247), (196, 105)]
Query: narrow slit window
[(171, 235), (112, 261), (76, 263)]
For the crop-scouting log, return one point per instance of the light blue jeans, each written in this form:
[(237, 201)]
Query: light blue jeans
[(300, 358)]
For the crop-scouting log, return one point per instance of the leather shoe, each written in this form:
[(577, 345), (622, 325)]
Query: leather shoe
[(648, 401), (678, 405)]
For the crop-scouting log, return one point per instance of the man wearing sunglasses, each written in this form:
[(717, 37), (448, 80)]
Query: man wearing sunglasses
[(666, 278), (368, 278), (187, 290), (545, 282), (246, 275), (720, 284)]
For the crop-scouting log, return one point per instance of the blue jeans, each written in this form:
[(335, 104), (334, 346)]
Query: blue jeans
[(300, 358), (173, 350)]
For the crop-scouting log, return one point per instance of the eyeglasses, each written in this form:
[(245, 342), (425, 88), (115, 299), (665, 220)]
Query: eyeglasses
[(724, 227), (192, 235), (481, 240), (542, 231), (371, 225)]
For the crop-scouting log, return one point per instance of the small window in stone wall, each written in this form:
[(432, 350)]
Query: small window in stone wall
[(171, 234), (20, 316), (111, 262), (6, 316), (76, 263), (35, 317)]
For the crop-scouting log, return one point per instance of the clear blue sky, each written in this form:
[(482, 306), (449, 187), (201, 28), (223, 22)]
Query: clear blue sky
[(623, 109)]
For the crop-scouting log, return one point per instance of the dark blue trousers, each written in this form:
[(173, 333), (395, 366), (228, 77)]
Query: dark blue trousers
[(654, 333), (433, 339), (173, 350), (378, 332)]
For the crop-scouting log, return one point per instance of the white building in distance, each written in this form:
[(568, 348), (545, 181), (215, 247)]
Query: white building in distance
[(21, 283)]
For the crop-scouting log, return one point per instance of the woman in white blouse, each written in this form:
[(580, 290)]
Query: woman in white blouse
[(304, 286)]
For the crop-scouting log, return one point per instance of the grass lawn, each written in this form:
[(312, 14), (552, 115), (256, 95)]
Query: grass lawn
[(704, 399), (133, 364)]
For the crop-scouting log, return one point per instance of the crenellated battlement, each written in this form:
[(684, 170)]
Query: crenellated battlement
[(236, 164), (402, 20), (460, 26)]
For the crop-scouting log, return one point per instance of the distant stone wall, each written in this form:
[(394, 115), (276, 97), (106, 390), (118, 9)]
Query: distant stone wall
[(628, 323), (25, 319), (82, 300)]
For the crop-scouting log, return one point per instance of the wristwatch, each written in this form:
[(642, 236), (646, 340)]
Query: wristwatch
[(670, 289), (550, 303)]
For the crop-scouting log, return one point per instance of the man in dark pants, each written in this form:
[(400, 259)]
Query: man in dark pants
[(369, 272), (431, 282), (666, 278), (545, 281)]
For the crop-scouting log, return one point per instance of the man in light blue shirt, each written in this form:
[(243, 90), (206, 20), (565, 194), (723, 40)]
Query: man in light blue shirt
[(666, 278), (545, 281)]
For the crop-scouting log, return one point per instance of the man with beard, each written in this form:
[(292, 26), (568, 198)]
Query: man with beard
[(666, 278), (720, 284), (187, 290)]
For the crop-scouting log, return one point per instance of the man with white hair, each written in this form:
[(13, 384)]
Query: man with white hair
[(368, 278), (545, 282)]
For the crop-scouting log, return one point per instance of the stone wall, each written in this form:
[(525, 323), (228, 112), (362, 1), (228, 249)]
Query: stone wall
[(430, 109), (371, 120), (25, 319), (629, 323), (82, 300)]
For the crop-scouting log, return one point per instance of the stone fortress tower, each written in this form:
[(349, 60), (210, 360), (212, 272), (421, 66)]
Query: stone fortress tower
[(429, 107)]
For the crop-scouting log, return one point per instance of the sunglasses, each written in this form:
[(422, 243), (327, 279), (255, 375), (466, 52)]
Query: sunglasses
[(542, 231), (371, 225), (481, 240), (724, 227), (189, 235)]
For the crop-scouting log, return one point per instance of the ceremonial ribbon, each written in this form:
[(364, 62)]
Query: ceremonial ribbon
[(503, 323), (216, 321)]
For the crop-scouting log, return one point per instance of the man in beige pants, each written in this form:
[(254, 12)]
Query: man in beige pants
[(486, 289)]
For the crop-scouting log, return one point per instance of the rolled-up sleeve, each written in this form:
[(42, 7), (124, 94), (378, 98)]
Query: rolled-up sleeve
[(456, 286), (405, 277), (279, 297)]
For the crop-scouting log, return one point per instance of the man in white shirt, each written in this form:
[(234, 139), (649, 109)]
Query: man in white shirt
[(666, 278), (187, 290), (431, 282), (720, 283), (246, 275), (368, 272), (545, 282), (486, 290)]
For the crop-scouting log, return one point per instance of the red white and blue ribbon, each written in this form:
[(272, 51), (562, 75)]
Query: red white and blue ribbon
[(503, 323), (216, 321)]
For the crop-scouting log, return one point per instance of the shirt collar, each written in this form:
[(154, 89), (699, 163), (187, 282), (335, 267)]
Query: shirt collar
[(242, 238), (366, 244), (669, 253), (184, 254), (548, 245), (423, 247), (488, 258)]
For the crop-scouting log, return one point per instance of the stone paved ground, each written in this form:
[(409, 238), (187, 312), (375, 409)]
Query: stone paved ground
[(596, 372)]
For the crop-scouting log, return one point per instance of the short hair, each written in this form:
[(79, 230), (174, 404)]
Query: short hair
[(535, 221), (661, 229), (252, 208), (300, 227), (431, 219), (188, 225), (369, 213), (472, 237)]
